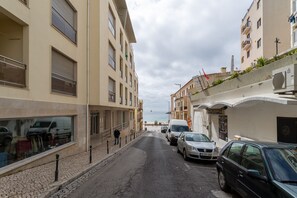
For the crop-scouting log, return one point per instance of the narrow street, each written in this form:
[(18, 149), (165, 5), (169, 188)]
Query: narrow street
[(152, 168)]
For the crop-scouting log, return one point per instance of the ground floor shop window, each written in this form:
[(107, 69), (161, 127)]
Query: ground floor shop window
[(287, 130), (23, 138), (223, 127)]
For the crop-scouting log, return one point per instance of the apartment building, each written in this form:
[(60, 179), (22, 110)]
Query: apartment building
[(113, 79), (67, 78), (265, 31), (179, 101)]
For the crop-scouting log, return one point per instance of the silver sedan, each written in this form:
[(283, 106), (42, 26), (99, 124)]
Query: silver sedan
[(197, 146)]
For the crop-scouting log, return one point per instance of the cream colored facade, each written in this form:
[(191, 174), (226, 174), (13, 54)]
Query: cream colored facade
[(33, 42), (262, 24), (116, 108)]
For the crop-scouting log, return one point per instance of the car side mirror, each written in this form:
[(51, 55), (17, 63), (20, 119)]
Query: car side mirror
[(256, 174), (169, 130)]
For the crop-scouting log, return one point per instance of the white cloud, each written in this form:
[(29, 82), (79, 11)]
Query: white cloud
[(176, 39)]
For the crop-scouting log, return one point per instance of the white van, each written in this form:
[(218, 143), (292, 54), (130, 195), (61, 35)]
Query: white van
[(175, 128), (51, 128)]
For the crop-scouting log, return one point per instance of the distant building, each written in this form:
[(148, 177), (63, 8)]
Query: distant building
[(262, 24)]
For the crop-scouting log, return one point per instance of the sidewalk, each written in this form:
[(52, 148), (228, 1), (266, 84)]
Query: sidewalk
[(39, 181)]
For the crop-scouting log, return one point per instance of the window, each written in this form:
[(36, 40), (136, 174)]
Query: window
[(287, 129), (126, 50), (121, 67), (252, 159), (242, 59), (258, 23), (64, 18), (248, 36), (134, 85), (259, 43), (234, 152), (121, 40), (111, 56), (130, 80), (223, 127), (126, 96), (111, 22), (111, 90), (130, 99), (63, 74), (258, 4), (121, 93), (295, 37), (248, 54), (126, 74)]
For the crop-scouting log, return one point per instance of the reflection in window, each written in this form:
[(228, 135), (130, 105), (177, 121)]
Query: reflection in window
[(234, 152), (23, 138)]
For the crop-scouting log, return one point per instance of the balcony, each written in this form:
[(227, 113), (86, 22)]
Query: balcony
[(12, 72), (63, 85), (121, 100), (246, 44), (246, 28), (111, 96)]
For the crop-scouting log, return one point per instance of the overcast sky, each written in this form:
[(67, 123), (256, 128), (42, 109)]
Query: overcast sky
[(177, 38)]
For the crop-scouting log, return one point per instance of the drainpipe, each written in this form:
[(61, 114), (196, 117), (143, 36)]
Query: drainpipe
[(88, 74)]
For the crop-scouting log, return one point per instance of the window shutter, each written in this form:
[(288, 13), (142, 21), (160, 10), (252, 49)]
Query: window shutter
[(63, 66), (66, 11)]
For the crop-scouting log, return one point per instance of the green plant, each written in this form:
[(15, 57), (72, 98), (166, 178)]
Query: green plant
[(234, 75), (261, 62), (217, 82)]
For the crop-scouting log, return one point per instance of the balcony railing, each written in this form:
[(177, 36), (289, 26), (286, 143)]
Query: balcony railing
[(121, 100), (111, 96), (12, 72), (246, 44), (245, 29), (63, 85)]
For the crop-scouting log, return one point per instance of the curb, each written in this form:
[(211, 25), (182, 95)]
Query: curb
[(101, 163)]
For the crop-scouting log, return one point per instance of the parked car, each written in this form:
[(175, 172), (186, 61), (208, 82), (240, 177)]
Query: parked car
[(258, 169), (5, 136), (175, 128), (164, 129), (197, 146)]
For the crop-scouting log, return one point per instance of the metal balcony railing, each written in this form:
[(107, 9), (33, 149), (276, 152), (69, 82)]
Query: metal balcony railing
[(12, 72), (111, 96), (63, 85)]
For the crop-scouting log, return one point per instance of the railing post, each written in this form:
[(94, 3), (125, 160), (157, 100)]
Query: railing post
[(107, 147), (57, 167), (90, 154), (120, 144), (126, 139)]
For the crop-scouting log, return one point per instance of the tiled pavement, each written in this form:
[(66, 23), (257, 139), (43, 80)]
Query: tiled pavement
[(39, 181)]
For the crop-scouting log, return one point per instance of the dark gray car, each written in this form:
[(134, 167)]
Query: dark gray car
[(258, 169)]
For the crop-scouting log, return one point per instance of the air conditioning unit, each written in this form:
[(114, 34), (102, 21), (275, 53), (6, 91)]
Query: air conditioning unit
[(285, 79)]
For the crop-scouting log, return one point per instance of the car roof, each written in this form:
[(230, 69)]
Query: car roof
[(264, 144), (193, 133)]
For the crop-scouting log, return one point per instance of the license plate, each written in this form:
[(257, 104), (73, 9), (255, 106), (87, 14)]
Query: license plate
[(205, 154)]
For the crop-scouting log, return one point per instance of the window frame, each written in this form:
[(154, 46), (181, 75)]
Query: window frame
[(259, 23), (111, 22), (59, 16), (111, 57)]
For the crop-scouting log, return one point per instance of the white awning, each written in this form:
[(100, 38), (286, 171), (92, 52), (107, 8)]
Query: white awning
[(250, 101)]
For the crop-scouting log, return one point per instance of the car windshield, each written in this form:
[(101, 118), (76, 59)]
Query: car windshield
[(179, 128), (197, 138), (283, 163), (41, 124)]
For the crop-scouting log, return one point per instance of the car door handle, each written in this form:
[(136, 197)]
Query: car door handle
[(240, 174)]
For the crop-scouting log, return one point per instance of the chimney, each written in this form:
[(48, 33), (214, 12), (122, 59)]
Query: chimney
[(223, 70)]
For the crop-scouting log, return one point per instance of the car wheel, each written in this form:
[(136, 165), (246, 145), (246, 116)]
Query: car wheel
[(222, 182), (185, 155)]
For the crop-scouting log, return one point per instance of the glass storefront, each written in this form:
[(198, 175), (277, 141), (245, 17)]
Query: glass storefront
[(23, 138)]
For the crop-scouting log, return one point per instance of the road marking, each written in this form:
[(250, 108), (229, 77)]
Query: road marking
[(187, 166), (220, 194)]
